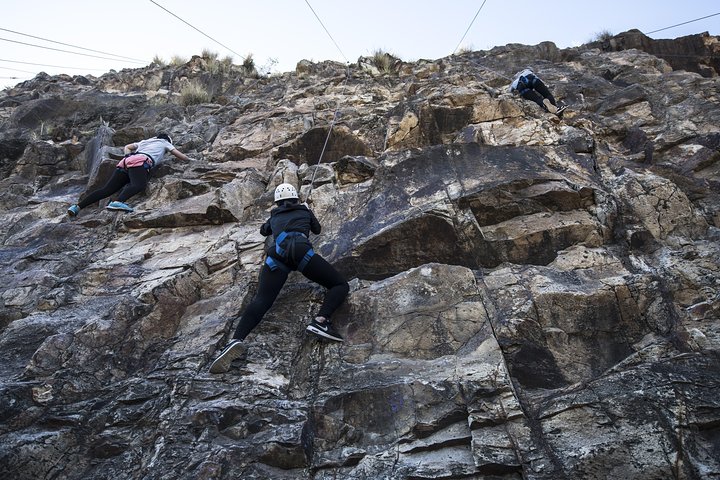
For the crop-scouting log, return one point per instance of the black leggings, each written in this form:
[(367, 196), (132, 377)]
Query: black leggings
[(271, 282), (537, 92), (134, 181)]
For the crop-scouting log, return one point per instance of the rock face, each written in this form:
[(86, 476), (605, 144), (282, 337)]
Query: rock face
[(531, 298), (694, 53)]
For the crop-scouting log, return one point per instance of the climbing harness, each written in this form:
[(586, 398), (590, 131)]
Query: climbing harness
[(282, 252), (147, 164), (525, 83)]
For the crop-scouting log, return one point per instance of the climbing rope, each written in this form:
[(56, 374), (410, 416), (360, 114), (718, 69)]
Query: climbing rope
[(198, 30), (471, 24), (463, 38), (336, 114), (326, 31), (337, 108), (683, 23)]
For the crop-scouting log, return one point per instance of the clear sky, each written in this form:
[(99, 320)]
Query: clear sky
[(287, 30)]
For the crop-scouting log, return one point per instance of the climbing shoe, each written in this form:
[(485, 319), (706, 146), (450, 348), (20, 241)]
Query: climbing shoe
[(560, 111), (73, 210), (222, 363), (550, 107), (326, 330), (120, 207)]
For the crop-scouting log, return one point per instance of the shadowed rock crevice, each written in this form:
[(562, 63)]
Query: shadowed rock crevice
[(426, 239), (537, 239), (422, 430), (527, 360), (566, 331), (524, 211), (308, 147), (501, 203), (426, 125), (436, 121)]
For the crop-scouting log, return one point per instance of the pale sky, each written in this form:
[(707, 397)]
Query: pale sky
[(287, 30)]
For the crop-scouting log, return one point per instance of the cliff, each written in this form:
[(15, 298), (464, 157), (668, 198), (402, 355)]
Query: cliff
[(531, 298)]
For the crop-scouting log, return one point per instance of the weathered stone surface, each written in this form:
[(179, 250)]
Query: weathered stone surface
[(355, 169), (659, 206), (531, 298), (694, 53)]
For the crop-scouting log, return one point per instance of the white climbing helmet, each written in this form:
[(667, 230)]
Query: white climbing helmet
[(285, 191)]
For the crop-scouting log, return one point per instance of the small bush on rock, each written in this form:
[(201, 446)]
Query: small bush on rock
[(194, 93)]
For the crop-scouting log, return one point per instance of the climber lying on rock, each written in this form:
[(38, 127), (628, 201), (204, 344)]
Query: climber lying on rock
[(530, 87), (290, 223), (132, 173)]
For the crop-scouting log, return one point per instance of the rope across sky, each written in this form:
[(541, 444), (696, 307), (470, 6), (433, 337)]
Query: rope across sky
[(104, 55)]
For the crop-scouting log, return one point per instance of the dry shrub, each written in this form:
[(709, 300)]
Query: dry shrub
[(194, 93), (602, 36), (384, 61), (177, 61)]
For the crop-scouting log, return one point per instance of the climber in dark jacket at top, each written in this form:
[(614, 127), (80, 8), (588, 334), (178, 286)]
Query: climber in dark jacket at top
[(290, 224), (530, 87)]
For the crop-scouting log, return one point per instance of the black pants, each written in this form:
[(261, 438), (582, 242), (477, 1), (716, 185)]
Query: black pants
[(271, 282), (131, 183), (537, 91)]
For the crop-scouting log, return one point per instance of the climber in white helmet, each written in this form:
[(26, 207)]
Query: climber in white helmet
[(290, 223)]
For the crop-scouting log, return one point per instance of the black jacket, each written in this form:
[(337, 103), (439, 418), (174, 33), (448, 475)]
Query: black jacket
[(291, 218)]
